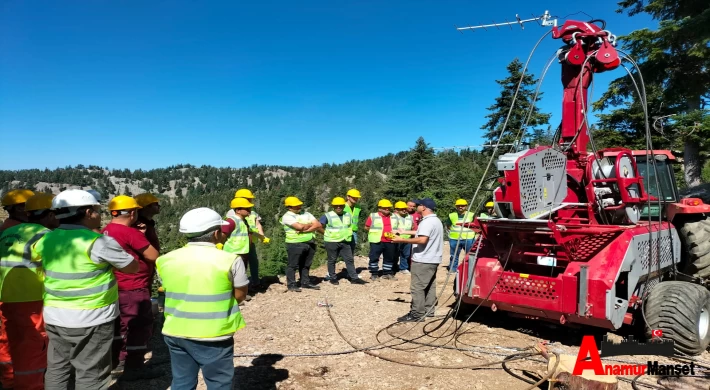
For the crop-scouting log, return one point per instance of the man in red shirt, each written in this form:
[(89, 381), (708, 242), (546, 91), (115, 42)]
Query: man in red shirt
[(135, 322), (379, 227)]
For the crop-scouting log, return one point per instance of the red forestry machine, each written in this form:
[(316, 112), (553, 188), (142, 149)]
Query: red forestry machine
[(598, 238)]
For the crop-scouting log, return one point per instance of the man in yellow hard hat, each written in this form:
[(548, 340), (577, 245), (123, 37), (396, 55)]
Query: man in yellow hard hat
[(150, 207), (14, 203), (239, 242), (490, 210), (256, 233), (299, 226), (204, 286), (134, 325), (353, 208), (461, 237), (405, 222), (21, 293), (380, 227), (80, 293), (337, 235)]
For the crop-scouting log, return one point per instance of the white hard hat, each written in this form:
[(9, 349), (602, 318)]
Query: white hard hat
[(95, 194), (72, 199), (200, 220)]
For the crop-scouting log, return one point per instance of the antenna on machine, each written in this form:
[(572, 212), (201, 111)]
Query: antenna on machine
[(546, 19)]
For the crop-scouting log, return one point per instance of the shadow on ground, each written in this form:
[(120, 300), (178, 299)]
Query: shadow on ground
[(261, 375)]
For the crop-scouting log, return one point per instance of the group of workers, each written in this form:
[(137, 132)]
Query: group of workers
[(76, 298)]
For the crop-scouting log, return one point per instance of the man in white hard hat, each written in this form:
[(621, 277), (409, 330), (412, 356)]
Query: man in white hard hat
[(203, 289), (80, 293)]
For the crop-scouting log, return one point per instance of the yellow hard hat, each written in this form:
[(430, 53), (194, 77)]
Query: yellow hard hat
[(40, 201), (18, 196), (242, 203), (354, 193), (400, 205), (243, 193), (123, 202), (461, 202), (384, 203), (145, 199), (292, 201), (489, 204), (338, 201)]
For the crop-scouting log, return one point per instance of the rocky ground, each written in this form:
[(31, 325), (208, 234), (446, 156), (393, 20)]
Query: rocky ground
[(281, 323)]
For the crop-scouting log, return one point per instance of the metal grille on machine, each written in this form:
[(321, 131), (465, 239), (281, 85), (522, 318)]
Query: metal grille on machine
[(543, 181)]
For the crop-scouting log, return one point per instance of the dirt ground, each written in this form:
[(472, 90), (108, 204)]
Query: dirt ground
[(280, 323)]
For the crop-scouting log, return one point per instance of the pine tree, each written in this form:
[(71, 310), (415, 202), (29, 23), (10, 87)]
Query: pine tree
[(675, 65), (417, 173), (499, 110)]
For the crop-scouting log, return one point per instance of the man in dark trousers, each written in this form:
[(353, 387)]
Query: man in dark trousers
[(380, 227), (427, 251), (337, 235), (134, 326)]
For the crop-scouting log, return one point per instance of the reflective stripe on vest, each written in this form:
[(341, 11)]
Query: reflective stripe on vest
[(199, 297), (337, 230), (72, 279), (405, 223), (355, 213), (21, 279), (238, 241), (375, 234), (466, 233), (292, 235)]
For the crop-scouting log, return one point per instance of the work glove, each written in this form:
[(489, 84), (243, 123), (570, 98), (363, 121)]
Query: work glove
[(266, 240)]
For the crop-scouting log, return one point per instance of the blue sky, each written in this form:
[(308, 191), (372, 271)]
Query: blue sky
[(147, 84)]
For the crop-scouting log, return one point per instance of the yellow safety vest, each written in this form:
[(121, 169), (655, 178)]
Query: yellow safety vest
[(199, 298), (466, 233), (375, 234), (337, 230), (71, 279), (238, 241), (405, 223), (292, 235), (21, 279)]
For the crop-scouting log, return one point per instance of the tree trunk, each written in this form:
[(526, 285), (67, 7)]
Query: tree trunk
[(691, 152), (691, 162)]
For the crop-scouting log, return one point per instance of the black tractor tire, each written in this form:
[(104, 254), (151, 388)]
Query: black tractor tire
[(680, 310), (695, 238)]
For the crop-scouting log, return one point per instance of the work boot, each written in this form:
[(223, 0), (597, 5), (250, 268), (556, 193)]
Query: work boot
[(409, 317), (373, 277), (388, 277), (334, 281), (119, 369), (294, 288), (357, 281), (311, 286)]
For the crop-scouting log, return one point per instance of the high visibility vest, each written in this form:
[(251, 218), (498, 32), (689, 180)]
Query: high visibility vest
[(199, 298), (454, 231), (292, 235), (405, 223), (355, 213), (251, 220), (71, 279), (337, 230), (375, 233), (22, 279), (238, 241)]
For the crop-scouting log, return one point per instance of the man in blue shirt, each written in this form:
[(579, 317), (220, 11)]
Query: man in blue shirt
[(337, 235)]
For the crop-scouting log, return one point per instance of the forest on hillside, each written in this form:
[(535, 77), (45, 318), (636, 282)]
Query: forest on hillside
[(444, 176)]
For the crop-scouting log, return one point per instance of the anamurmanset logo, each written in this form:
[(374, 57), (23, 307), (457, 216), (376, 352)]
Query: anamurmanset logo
[(589, 358)]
